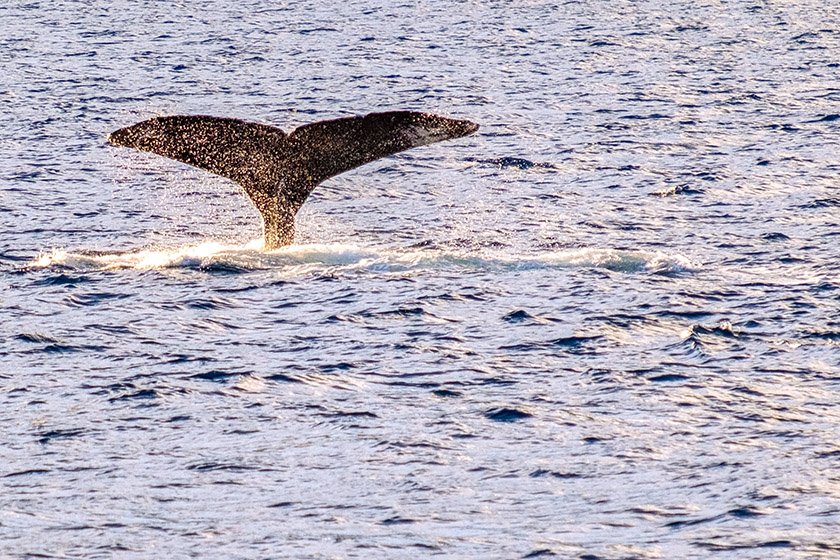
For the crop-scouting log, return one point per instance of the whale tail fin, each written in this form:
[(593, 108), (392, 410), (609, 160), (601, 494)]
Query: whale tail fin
[(278, 171)]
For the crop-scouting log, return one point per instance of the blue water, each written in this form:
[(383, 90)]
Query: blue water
[(605, 326)]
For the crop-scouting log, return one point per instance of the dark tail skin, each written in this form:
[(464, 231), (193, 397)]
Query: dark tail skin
[(279, 170)]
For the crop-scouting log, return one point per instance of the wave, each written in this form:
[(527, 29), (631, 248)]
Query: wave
[(297, 259)]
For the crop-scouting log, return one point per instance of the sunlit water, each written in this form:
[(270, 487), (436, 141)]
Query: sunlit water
[(605, 326)]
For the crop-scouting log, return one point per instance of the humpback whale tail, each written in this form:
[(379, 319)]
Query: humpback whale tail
[(278, 171)]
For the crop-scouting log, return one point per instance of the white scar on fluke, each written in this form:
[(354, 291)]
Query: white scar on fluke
[(278, 171)]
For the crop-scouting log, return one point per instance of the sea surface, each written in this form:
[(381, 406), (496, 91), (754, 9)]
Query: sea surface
[(606, 326)]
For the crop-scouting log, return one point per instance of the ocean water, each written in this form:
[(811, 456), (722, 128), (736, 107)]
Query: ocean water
[(603, 327)]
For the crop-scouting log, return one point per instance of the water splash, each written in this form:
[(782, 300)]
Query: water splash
[(299, 259)]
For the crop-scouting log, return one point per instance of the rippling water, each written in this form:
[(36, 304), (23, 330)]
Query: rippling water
[(605, 326)]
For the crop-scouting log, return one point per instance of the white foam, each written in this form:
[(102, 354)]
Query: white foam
[(298, 259), (143, 259), (622, 261)]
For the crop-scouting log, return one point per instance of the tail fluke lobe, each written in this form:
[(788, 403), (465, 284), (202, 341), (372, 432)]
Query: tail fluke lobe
[(250, 154), (279, 171), (328, 148), (235, 149)]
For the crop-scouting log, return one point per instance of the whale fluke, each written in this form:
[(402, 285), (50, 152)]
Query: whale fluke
[(278, 171)]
